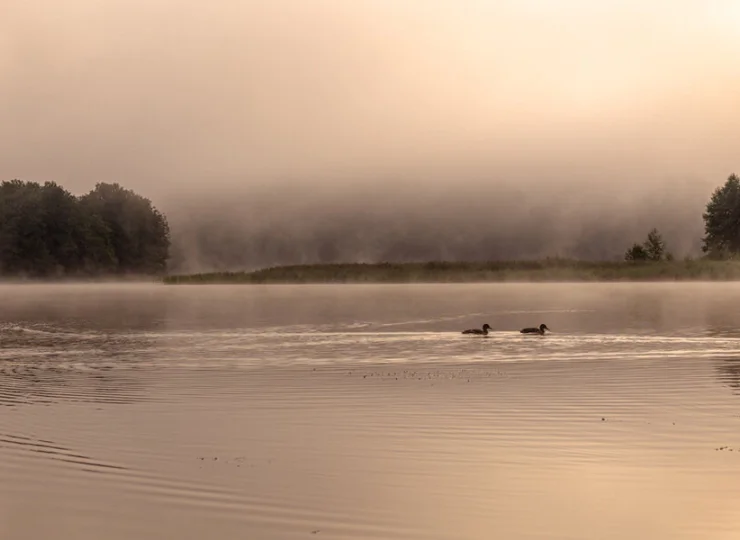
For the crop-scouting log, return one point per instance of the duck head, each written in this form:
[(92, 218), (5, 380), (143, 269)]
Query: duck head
[(544, 327)]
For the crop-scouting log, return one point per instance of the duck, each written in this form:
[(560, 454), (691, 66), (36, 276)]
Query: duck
[(540, 330), (478, 331)]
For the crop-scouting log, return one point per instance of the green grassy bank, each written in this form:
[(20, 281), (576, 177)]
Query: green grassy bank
[(462, 272)]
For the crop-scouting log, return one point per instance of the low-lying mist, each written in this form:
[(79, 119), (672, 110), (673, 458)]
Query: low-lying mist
[(408, 222)]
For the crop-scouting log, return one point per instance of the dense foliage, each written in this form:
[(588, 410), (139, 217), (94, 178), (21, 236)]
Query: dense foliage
[(652, 249), (45, 231), (722, 220)]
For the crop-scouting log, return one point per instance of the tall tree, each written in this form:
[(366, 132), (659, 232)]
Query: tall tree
[(654, 245), (139, 234), (722, 220), (23, 248), (47, 231), (652, 249), (61, 220)]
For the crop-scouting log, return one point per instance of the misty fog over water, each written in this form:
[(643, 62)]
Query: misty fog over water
[(321, 131)]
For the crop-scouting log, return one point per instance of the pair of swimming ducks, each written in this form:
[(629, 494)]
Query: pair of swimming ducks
[(486, 327)]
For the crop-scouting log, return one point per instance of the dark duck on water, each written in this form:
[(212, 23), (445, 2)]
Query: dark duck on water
[(478, 331), (540, 330)]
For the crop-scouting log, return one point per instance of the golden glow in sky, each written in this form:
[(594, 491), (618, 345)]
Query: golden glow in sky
[(304, 88)]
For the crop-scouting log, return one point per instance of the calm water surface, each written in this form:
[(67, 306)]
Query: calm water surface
[(358, 412)]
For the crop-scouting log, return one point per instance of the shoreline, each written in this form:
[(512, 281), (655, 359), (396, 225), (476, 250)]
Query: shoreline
[(544, 271), (434, 272)]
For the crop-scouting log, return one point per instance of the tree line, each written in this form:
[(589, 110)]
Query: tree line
[(45, 231), (721, 227)]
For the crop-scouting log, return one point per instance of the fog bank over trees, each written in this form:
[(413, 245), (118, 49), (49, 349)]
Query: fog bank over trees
[(286, 132), (47, 231), (406, 222)]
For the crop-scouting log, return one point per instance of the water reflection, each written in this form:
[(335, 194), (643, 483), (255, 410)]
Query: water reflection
[(645, 312), (82, 308), (361, 412), (728, 370)]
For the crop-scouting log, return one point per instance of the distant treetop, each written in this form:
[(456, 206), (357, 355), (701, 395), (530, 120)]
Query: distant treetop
[(722, 220), (652, 249)]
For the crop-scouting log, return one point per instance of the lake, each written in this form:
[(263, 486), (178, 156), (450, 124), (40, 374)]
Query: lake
[(361, 412)]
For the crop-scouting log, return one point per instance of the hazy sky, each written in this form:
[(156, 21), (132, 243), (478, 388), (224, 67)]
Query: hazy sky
[(161, 92), (178, 96)]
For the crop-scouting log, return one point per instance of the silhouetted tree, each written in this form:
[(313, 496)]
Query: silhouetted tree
[(47, 231), (654, 245), (138, 233), (636, 253), (652, 249), (722, 220)]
